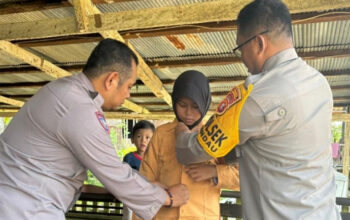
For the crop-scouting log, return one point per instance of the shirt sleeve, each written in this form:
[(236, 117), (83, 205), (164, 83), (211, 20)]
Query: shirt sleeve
[(228, 176), (251, 121), (188, 150), (83, 133), (150, 162), (251, 125)]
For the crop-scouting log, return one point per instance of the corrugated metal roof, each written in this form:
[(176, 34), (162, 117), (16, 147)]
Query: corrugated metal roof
[(339, 80), (6, 59), (230, 70), (104, 8), (321, 36), (24, 77), (144, 4), (186, 45), (19, 90), (330, 63), (69, 53)]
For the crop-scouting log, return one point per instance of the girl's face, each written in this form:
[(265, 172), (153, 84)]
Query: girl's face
[(187, 111)]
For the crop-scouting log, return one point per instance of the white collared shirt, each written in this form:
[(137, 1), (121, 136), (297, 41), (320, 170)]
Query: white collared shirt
[(45, 151)]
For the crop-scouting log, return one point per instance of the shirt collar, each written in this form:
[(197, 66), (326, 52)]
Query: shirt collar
[(279, 58), (95, 96), (272, 62)]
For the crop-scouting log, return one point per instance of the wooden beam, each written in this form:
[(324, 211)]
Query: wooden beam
[(325, 54), (49, 68), (9, 101), (34, 60), (214, 11), (166, 115), (341, 117), (55, 41), (236, 79), (82, 9), (303, 18), (336, 72), (340, 87), (144, 71), (135, 107), (341, 105), (342, 98), (346, 149), (195, 62), (232, 59), (81, 14), (39, 5)]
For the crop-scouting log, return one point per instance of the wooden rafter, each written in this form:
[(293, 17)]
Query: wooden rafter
[(40, 63), (346, 149), (9, 101), (167, 115), (81, 8), (38, 5), (213, 11), (203, 62), (144, 71), (32, 59), (232, 59), (236, 79), (48, 68)]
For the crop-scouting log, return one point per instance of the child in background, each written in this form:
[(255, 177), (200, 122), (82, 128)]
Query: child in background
[(140, 136), (191, 100)]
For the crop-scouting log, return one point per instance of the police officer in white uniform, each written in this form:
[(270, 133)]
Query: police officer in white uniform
[(283, 117), (61, 132)]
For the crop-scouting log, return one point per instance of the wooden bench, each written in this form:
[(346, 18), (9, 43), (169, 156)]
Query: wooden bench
[(105, 206)]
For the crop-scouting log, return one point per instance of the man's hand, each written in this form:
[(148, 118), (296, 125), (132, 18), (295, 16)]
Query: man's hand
[(200, 172), (181, 128), (180, 195)]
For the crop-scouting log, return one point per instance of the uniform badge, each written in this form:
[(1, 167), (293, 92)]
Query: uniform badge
[(102, 120), (232, 98)]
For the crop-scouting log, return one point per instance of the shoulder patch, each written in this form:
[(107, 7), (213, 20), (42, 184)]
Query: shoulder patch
[(102, 120), (232, 98)]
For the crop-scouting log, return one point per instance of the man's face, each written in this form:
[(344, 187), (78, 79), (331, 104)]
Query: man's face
[(248, 53), (121, 92)]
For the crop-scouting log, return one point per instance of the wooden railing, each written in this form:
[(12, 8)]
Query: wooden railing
[(103, 206)]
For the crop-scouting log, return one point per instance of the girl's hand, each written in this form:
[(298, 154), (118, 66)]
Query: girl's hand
[(200, 172)]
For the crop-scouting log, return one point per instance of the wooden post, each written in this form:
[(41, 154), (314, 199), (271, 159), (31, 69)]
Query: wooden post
[(346, 149)]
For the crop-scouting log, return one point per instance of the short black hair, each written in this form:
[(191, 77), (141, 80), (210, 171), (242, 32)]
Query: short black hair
[(143, 124), (108, 56), (261, 15)]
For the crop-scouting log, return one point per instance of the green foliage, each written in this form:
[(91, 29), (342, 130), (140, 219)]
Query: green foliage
[(7, 120), (336, 131), (92, 180)]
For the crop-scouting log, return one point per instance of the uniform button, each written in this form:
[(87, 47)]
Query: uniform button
[(281, 112)]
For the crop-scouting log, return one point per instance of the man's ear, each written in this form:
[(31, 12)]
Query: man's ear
[(262, 43), (112, 80)]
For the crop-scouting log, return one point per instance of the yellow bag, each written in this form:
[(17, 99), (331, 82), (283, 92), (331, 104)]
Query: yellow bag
[(221, 133)]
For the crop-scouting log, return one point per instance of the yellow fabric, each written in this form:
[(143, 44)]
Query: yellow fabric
[(221, 133), (160, 164)]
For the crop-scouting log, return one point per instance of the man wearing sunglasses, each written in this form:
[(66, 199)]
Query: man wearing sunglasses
[(280, 119)]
